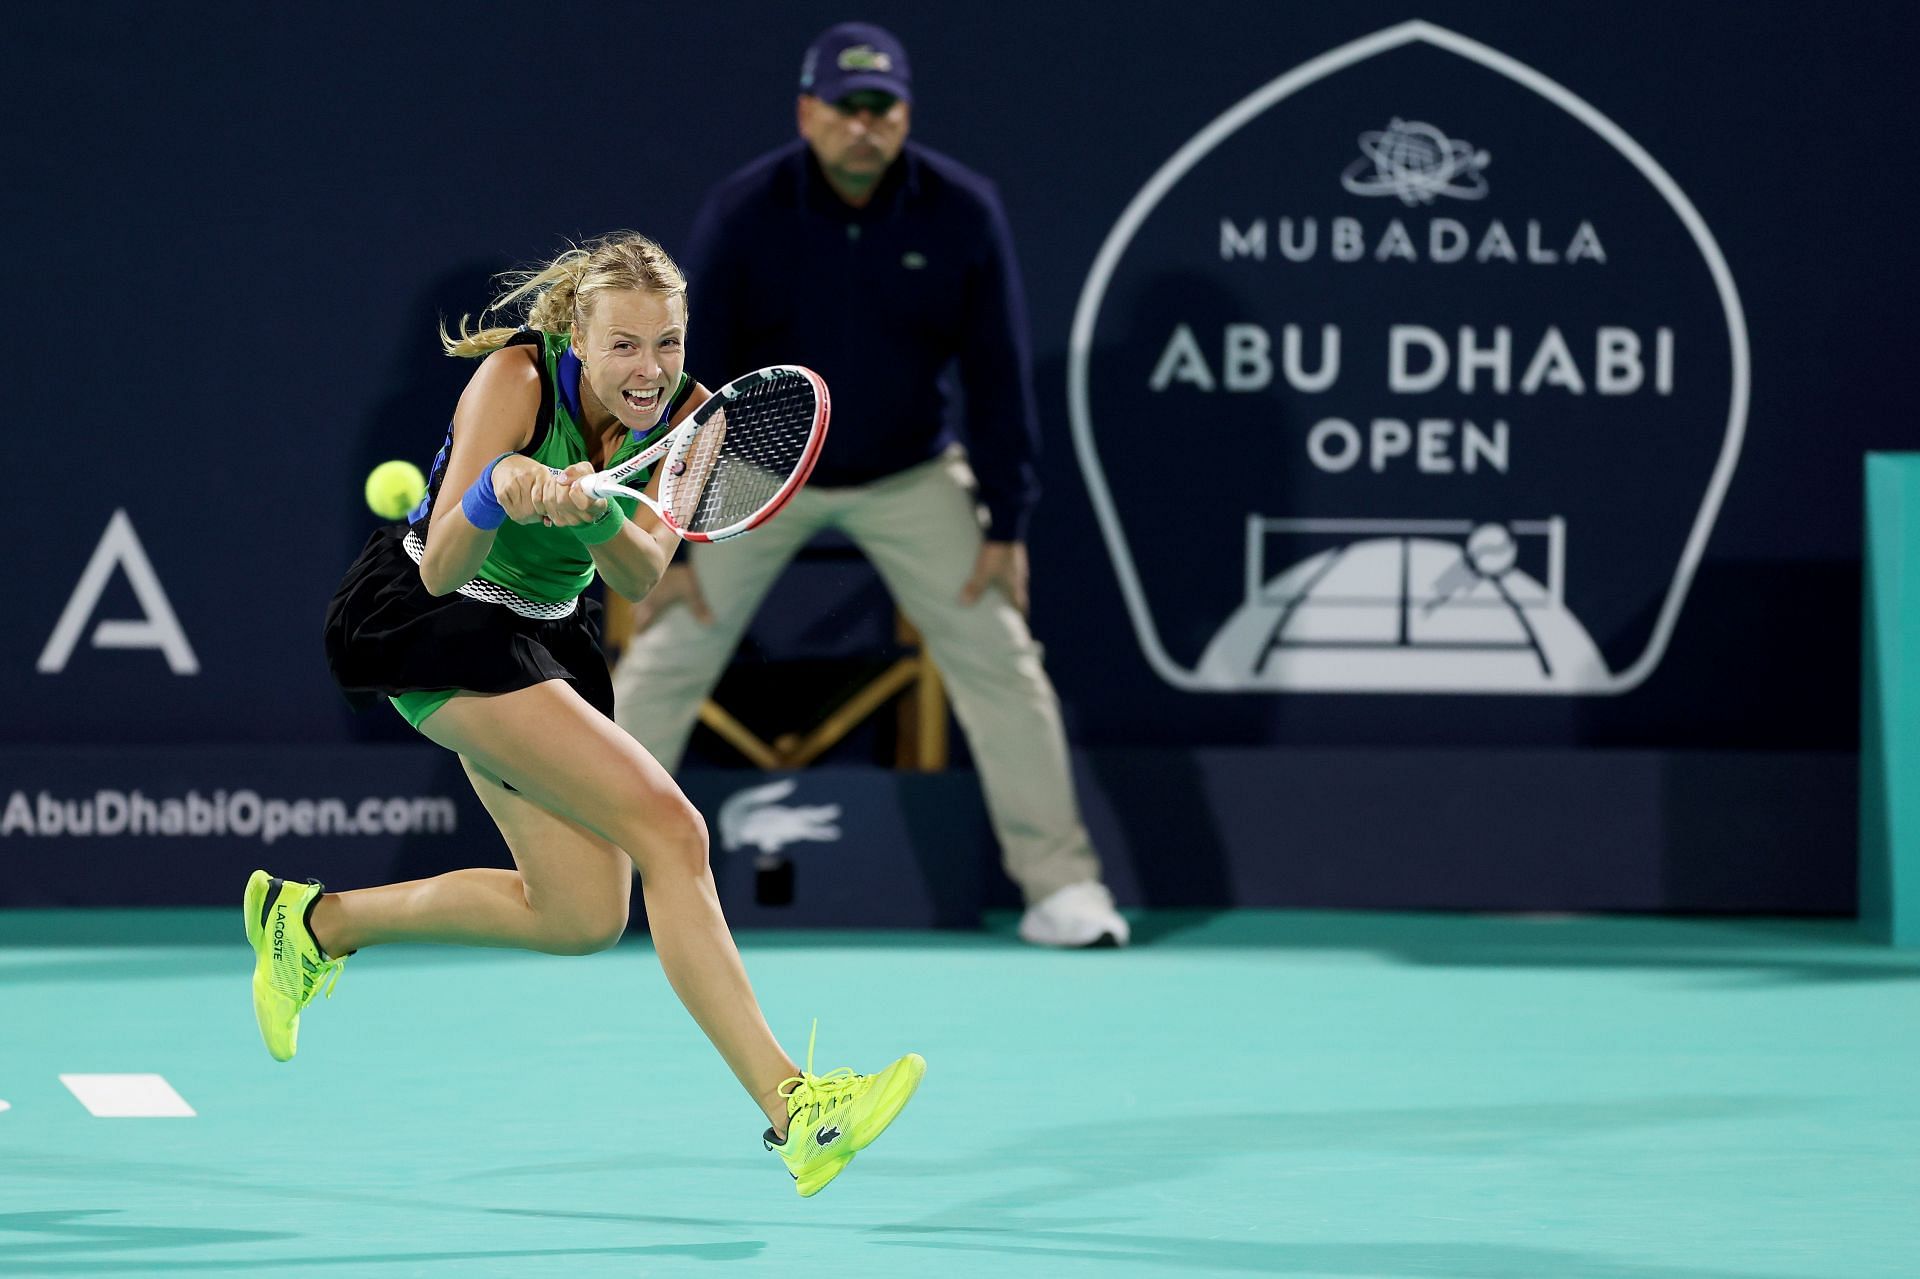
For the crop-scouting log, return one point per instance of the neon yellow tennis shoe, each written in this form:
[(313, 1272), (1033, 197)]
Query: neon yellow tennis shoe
[(833, 1117), (289, 967)]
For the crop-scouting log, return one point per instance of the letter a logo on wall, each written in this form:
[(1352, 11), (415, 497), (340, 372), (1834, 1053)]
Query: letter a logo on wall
[(119, 548), (1442, 378)]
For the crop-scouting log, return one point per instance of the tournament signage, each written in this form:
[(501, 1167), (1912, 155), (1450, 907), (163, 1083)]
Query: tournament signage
[(1412, 372)]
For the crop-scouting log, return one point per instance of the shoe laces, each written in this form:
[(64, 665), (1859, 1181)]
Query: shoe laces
[(325, 977), (823, 1092), (330, 976)]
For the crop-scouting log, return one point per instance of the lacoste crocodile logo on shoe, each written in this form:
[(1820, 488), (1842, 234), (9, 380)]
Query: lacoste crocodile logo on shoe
[(826, 1136)]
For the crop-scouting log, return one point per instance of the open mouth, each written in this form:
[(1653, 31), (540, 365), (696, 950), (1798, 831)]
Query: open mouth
[(647, 401)]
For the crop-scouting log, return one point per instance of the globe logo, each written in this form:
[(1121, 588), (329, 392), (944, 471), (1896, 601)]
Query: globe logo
[(1416, 161)]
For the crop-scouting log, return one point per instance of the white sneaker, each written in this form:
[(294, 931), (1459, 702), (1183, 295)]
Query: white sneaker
[(1078, 915)]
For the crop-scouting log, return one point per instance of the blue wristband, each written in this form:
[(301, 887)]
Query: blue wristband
[(478, 503)]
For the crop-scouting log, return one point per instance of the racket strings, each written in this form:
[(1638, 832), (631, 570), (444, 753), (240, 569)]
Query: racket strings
[(743, 456)]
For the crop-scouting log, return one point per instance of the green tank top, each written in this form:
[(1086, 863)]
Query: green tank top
[(550, 564)]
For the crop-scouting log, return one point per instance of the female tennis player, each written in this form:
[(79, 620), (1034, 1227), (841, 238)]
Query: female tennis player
[(470, 621)]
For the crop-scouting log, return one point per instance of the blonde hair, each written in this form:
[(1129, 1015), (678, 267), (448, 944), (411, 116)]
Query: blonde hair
[(558, 297)]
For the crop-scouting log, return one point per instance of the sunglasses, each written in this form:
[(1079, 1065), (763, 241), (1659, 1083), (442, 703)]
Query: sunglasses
[(870, 100)]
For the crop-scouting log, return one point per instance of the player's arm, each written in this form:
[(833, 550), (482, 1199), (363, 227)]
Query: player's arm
[(633, 560), (495, 416)]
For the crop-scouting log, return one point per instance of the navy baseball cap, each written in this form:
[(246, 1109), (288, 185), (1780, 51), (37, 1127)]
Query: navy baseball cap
[(853, 56)]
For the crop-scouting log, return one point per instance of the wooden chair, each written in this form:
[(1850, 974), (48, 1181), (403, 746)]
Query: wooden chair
[(911, 681)]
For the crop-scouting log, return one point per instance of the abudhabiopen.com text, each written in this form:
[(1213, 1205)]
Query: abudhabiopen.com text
[(238, 814)]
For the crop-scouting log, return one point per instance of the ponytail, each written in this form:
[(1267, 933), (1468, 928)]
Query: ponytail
[(558, 296)]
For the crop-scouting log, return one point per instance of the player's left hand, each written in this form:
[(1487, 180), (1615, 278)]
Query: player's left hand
[(559, 497), (1002, 564)]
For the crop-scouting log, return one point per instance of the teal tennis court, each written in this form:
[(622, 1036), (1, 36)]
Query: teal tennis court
[(1249, 1093)]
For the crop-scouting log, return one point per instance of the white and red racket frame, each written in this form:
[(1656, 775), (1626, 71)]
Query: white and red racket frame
[(672, 448)]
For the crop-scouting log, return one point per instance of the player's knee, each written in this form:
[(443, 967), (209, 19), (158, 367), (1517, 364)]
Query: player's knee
[(588, 934), (675, 841)]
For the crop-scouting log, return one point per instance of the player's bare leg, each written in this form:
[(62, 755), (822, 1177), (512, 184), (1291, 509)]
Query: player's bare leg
[(588, 796)]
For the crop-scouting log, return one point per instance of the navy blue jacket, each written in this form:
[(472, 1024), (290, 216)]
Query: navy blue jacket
[(880, 301)]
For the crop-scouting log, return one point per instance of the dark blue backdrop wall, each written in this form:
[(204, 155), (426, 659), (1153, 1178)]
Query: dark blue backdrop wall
[(1454, 413)]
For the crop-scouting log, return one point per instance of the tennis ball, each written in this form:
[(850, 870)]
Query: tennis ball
[(1491, 551), (394, 488)]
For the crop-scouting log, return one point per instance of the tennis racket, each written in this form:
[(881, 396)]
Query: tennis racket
[(733, 464)]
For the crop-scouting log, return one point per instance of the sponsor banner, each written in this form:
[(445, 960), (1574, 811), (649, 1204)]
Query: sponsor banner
[(847, 848), (138, 826), (1395, 359), (1459, 829), (241, 814), (858, 848), (147, 826), (1448, 375)]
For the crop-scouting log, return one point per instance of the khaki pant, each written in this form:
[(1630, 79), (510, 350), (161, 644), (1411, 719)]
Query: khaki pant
[(920, 530)]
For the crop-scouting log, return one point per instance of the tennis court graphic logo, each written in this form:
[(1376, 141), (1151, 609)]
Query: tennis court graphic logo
[(1420, 431), (754, 818), (1452, 596)]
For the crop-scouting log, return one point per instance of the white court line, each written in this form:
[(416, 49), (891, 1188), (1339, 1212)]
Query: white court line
[(6, 1105), (128, 1096)]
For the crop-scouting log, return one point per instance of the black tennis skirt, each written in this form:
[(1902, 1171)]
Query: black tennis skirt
[(387, 634)]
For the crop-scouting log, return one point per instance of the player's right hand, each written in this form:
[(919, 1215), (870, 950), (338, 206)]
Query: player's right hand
[(679, 586)]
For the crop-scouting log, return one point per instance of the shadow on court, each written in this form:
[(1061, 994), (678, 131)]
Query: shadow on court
[(1088, 1160), (80, 1230), (1373, 1260), (742, 1251)]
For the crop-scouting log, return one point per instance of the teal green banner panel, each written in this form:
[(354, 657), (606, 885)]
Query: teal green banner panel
[(1890, 701)]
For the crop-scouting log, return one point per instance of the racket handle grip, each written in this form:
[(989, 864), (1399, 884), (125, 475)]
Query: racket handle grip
[(607, 489)]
